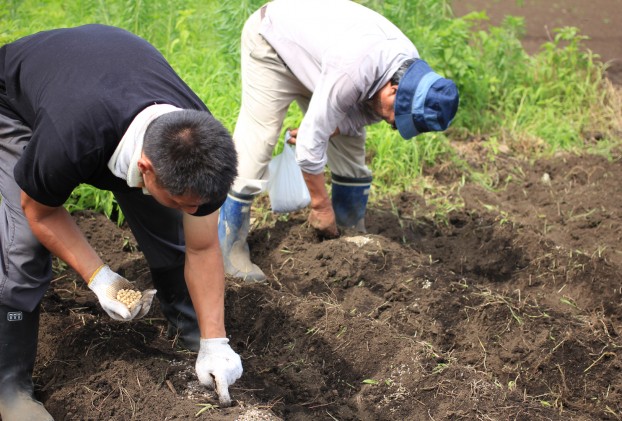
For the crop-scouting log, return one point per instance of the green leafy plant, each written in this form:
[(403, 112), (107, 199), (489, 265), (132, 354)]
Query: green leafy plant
[(85, 197)]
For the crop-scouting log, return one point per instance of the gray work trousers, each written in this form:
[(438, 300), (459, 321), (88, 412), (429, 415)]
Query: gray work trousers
[(26, 265)]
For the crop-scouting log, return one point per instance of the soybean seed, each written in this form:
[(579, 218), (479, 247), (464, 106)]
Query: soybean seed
[(129, 297)]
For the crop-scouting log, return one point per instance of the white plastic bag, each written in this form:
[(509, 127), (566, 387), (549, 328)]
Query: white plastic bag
[(286, 187)]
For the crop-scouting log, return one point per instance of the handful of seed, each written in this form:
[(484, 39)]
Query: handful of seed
[(129, 297)]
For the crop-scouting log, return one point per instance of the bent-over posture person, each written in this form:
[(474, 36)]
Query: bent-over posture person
[(347, 67), (98, 105)]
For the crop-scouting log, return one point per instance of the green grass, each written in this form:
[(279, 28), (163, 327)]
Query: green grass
[(534, 104)]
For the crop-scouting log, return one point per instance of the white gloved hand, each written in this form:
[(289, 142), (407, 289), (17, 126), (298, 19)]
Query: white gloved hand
[(218, 363), (106, 284)]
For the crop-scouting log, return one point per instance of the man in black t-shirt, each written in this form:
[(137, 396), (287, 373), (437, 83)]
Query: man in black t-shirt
[(98, 105)]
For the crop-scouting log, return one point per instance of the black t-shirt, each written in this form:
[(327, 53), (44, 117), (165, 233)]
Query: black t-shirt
[(79, 89)]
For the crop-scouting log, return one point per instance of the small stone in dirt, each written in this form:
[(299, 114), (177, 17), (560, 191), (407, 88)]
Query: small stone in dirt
[(255, 414), (359, 240)]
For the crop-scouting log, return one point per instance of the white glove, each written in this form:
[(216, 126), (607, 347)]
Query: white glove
[(217, 362), (106, 284)]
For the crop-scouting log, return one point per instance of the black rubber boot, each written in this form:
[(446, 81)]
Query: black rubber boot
[(19, 332), (177, 307)]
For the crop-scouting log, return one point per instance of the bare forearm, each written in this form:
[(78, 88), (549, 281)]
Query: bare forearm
[(205, 274), (317, 190), (58, 232), (205, 278)]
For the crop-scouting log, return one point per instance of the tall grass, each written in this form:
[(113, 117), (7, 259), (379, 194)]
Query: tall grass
[(533, 103)]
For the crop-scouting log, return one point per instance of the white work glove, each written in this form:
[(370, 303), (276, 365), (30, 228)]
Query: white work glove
[(106, 284), (218, 363)]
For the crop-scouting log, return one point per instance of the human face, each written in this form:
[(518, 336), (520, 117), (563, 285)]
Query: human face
[(382, 103), (186, 203)]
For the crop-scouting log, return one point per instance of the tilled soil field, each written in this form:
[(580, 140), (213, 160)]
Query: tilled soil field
[(510, 308), (507, 308)]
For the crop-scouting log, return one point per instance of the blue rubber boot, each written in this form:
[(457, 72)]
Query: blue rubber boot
[(349, 197), (233, 227)]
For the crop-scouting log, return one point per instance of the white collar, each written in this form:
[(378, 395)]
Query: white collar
[(124, 160)]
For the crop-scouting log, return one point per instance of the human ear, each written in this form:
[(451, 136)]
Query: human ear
[(144, 164), (393, 90)]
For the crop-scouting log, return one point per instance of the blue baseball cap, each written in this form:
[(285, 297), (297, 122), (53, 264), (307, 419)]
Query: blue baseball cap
[(425, 101)]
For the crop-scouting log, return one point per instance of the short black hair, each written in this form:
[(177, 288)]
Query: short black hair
[(191, 153)]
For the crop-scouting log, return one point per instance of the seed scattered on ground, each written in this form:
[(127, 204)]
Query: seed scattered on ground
[(129, 297)]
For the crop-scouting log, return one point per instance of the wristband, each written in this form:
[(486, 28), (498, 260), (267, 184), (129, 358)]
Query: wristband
[(95, 273)]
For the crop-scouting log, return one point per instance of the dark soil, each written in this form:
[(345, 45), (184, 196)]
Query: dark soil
[(509, 308)]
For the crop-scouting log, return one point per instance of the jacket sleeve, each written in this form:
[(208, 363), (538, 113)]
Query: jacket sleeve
[(333, 99)]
